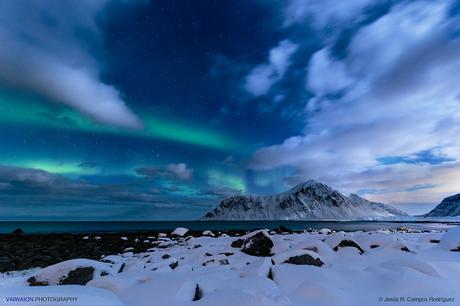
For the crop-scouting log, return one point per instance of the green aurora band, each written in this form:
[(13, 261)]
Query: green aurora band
[(27, 111)]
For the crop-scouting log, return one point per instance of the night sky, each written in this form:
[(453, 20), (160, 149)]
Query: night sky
[(157, 110)]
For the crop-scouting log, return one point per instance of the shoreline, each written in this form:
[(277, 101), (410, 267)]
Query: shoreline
[(81, 227), (37, 250)]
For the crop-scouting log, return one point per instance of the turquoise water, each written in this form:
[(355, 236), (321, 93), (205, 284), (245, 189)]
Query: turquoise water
[(120, 226)]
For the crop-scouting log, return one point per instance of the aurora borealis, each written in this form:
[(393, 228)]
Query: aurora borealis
[(156, 110)]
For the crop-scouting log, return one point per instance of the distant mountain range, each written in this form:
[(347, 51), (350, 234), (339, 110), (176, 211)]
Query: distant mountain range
[(308, 201), (449, 207)]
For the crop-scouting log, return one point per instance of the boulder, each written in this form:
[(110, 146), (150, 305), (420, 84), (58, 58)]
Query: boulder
[(208, 233), (258, 245), (298, 257), (78, 276), (305, 259), (237, 243), (180, 232), (174, 264), (34, 282), (348, 243), (70, 272)]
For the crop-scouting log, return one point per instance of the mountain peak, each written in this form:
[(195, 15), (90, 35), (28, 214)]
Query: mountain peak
[(449, 207), (310, 200)]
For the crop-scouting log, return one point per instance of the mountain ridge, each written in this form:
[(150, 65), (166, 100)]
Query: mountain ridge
[(449, 207), (310, 200)]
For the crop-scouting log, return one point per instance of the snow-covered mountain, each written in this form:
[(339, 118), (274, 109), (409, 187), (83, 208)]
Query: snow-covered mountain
[(449, 207), (308, 201)]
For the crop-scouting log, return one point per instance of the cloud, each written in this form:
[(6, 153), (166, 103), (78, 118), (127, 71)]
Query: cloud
[(180, 171), (326, 75), (220, 192), (261, 78), (323, 13), (431, 157), (393, 93), (27, 177), (47, 49), (33, 194), (173, 171)]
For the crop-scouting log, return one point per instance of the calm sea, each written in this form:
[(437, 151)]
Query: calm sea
[(123, 226)]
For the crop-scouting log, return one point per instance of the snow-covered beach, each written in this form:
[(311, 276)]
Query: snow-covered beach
[(260, 268)]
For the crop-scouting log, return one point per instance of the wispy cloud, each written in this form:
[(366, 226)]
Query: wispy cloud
[(261, 78), (178, 171), (47, 49)]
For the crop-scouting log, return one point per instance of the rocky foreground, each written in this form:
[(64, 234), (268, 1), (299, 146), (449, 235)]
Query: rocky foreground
[(257, 268), (19, 251)]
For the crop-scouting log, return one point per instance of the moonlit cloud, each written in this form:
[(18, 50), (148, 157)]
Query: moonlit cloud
[(322, 13), (178, 171), (264, 76), (47, 49), (326, 75), (181, 171), (394, 93)]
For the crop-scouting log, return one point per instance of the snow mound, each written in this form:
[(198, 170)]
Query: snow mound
[(61, 273), (451, 240)]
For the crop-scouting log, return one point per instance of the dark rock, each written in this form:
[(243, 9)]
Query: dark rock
[(207, 254), (282, 229), (196, 246), (165, 256), (198, 293), (17, 231), (348, 243), (33, 282), (405, 249), (207, 262), (270, 274), (104, 273), (456, 250), (305, 259), (434, 241), (373, 246), (6, 264), (78, 276), (174, 265), (122, 267), (237, 243), (224, 262), (258, 245)]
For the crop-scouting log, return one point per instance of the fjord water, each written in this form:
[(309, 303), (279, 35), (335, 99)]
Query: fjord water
[(123, 226)]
